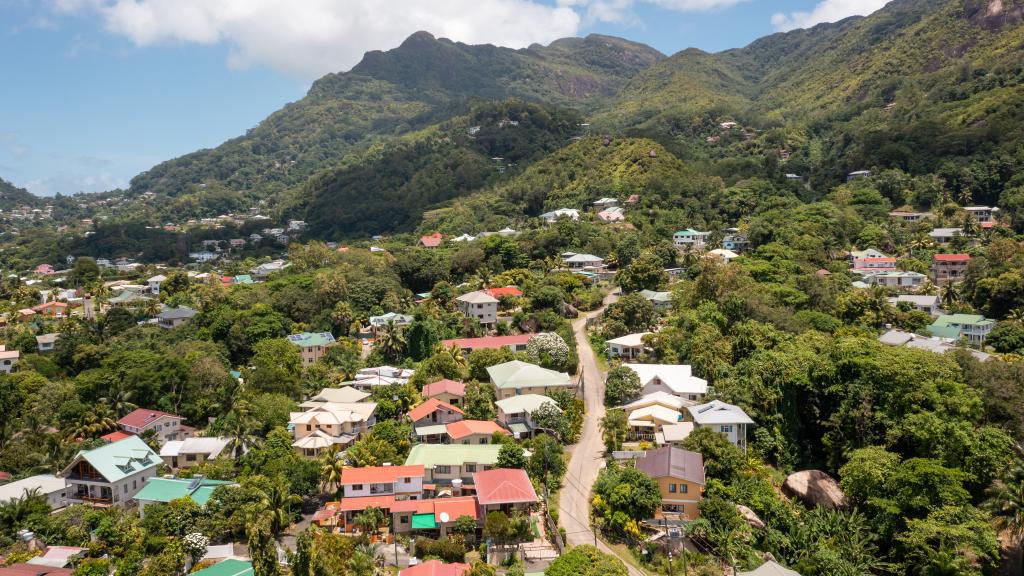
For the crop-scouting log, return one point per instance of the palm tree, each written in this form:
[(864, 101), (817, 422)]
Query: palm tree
[(370, 520), (373, 551), (276, 505), (969, 226), (90, 425), (950, 295), (392, 343), (119, 401), (240, 429), (1016, 315), (1006, 503), (331, 467)]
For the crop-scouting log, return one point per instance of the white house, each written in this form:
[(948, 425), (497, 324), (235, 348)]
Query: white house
[(675, 379), (400, 481), (167, 426), (556, 215), (729, 420), (193, 451), (944, 235), (929, 304), (690, 239), (575, 261), (723, 254), (605, 203), (982, 213), (45, 343), (515, 412), (155, 282), (628, 347), (479, 305), (48, 485), (112, 474), (8, 359)]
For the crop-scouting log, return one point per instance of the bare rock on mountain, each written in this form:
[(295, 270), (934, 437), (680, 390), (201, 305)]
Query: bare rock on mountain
[(814, 488)]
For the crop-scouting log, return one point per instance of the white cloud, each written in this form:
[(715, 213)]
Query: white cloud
[(621, 11), (310, 38), (74, 182), (826, 11)]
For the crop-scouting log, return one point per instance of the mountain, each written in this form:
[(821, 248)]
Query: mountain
[(12, 197), (421, 82)]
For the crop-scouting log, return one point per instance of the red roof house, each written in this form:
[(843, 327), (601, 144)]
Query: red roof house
[(445, 390), (474, 431), (4, 476), (44, 269), (167, 426), (506, 292), (435, 411), (503, 488), (432, 240), (952, 257), (380, 474), (516, 343), (115, 436), (26, 569), (51, 308), (435, 568)]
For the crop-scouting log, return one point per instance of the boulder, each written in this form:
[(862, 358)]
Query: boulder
[(814, 488), (750, 516)]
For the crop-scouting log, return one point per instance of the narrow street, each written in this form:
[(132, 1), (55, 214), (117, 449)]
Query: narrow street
[(587, 455)]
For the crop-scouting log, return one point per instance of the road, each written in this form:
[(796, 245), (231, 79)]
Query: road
[(588, 454)]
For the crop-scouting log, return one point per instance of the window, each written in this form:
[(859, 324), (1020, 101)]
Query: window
[(470, 467), (406, 480), (671, 488), (443, 469), (190, 458), (403, 519), (726, 428), (133, 484), (126, 488), (683, 488), (357, 486)]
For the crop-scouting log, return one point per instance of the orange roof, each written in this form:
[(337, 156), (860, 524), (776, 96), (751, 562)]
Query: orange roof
[(444, 387), (141, 417), (507, 291), (431, 240), (116, 436), (504, 486), (453, 507), (50, 304), (380, 474), (431, 405), (435, 568), (488, 341), (464, 428), (952, 257), (874, 259)]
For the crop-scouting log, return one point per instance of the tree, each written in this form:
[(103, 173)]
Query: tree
[(1006, 503), (262, 549), (1007, 336), (547, 462), (391, 344), (170, 561), (586, 560), (621, 386), (645, 273), (478, 403), (614, 428), (276, 366), (550, 417), (549, 350), (370, 520), (275, 506), (331, 468), (624, 497), (85, 271), (511, 455), (634, 312), (722, 459), (481, 568), (465, 525)]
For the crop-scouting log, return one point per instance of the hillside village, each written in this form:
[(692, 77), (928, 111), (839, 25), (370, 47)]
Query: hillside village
[(577, 309)]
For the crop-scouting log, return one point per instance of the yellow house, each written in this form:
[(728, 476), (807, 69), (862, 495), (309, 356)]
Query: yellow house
[(680, 477)]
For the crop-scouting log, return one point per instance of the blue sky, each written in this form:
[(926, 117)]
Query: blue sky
[(97, 91)]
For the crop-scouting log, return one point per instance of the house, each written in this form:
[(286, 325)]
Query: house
[(770, 568), (45, 343), (646, 422), (858, 175), (436, 567), (909, 216), (628, 347), (933, 344), (47, 485), (51, 309), (26, 569), (479, 305), (163, 490), (516, 378), (605, 203), (504, 292), (8, 359), (680, 477), (949, 268), (504, 490), (661, 301), (262, 271), (203, 256), (726, 419), (174, 317), (972, 327), (369, 378), (431, 240), (128, 297), (432, 517), (312, 345), (236, 243), (26, 315), (735, 242), (112, 474), (473, 431), (434, 411), (893, 278), (448, 391), (446, 462), (191, 452), (878, 263), (330, 423), (929, 304), (294, 225), (722, 254), (515, 343), (674, 379), (464, 238), (167, 426), (155, 282), (944, 235), (58, 557), (515, 412), (615, 214), (690, 239), (982, 213), (343, 395), (44, 269), (575, 261), (227, 567), (399, 481), (378, 323), (556, 215)]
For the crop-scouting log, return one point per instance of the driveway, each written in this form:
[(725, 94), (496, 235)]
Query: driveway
[(588, 454)]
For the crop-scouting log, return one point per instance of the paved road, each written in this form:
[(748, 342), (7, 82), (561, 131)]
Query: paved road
[(588, 454)]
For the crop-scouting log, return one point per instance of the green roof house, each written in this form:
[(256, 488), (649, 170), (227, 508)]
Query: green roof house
[(443, 463), (660, 300), (972, 327), (690, 239), (164, 490), (312, 345), (110, 475), (227, 567), (516, 378)]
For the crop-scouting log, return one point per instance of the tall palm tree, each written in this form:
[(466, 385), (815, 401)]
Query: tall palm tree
[(119, 401), (240, 429), (969, 226), (1006, 503), (370, 520), (950, 295), (331, 467), (392, 342), (276, 506), (91, 425), (1016, 315)]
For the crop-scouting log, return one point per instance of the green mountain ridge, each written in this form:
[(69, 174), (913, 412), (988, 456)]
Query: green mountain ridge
[(12, 196)]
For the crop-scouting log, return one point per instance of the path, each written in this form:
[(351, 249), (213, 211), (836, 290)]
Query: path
[(588, 454)]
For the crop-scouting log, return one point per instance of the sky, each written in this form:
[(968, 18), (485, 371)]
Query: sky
[(96, 91)]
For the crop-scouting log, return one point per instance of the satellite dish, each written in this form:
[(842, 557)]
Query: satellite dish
[(444, 517)]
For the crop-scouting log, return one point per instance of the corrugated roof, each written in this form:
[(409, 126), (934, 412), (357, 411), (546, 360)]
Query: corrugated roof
[(488, 341), (504, 486), (524, 403), (141, 417), (119, 459), (952, 257), (166, 489), (444, 387), (379, 474), (435, 568), (674, 463), (718, 412), (431, 455), (464, 428), (227, 567), (310, 339), (430, 406), (519, 374)]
